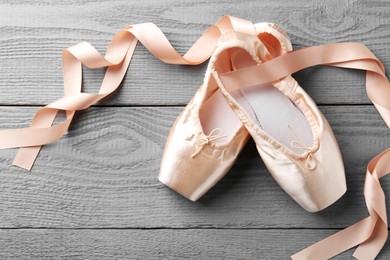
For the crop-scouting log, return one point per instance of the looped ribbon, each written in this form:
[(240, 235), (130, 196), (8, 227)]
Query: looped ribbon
[(370, 234), (117, 59), (202, 141)]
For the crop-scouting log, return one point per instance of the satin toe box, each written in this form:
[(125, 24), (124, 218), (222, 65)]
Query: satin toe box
[(314, 181), (192, 170)]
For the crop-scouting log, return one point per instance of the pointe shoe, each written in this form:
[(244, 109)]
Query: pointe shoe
[(292, 136), (207, 137)]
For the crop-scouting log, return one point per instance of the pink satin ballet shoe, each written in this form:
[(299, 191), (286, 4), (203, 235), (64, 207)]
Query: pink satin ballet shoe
[(292, 136), (207, 137)]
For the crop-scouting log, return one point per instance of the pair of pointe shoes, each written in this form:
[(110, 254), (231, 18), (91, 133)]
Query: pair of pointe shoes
[(292, 136)]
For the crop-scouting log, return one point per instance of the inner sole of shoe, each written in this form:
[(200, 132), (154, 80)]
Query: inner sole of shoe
[(275, 113)]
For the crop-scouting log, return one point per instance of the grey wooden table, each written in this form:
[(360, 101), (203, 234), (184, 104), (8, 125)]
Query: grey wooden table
[(95, 194)]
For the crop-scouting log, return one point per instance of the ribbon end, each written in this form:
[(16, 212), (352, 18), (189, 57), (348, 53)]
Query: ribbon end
[(21, 165), (25, 157)]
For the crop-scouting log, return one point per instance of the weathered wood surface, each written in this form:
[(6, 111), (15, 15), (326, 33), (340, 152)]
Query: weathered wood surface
[(160, 244), (95, 194), (33, 35)]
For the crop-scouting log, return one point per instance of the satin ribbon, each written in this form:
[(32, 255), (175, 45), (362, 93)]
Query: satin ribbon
[(370, 233), (117, 59)]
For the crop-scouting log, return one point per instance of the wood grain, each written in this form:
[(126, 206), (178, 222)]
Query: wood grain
[(160, 244), (104, 174), (33, 35), (95, 195)]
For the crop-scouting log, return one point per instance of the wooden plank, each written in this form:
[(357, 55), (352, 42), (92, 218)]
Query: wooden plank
[(104, 174), (33, 35), (161, 244)]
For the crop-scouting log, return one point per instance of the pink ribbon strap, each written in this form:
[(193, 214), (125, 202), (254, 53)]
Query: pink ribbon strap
[(370, 233), (117, 59)]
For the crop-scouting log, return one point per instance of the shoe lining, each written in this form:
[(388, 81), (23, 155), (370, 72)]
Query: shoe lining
[(216, 113), (274, 112)]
